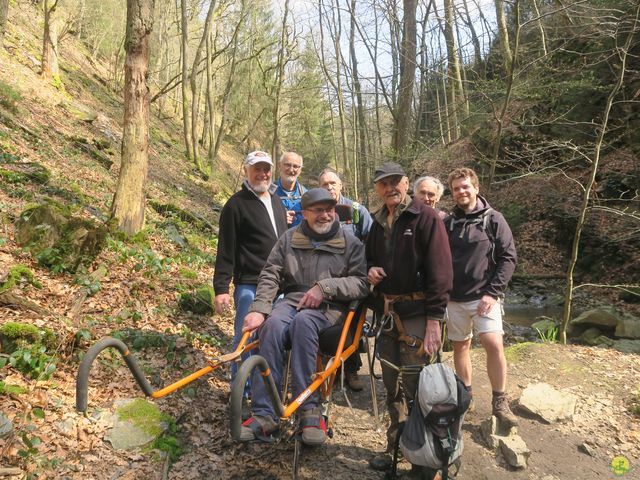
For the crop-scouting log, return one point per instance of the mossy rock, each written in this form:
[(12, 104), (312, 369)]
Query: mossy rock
[(199, 302), (80, 111), (137, 423), (57, 240), (13, 335), (14, 172), (16, 273)]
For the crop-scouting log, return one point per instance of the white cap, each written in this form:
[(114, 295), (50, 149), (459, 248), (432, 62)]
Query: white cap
[(257, 157)]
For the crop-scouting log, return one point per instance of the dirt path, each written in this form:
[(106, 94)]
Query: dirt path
[(603, 380)]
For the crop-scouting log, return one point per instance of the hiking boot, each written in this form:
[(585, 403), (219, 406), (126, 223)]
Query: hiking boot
[(353, 381), (313, 427), (381, 462), (502, 411), (258, 428)]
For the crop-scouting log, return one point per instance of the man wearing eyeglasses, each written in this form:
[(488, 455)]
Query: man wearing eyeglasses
[(289, 189), (321, 269), (250, 223), (410, 267)]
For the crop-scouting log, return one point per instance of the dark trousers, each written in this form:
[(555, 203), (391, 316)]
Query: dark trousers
[(300, 329), (400, 388)]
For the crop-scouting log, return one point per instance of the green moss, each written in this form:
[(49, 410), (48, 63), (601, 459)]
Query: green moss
[(517, 352), (16, 273), (144, 415), (170, 445), (187, 273), (8, 389), (15, 334), (15, 331), (200, 302)]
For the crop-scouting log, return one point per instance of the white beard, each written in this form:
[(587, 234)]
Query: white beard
[(260, 188), (321, 229)]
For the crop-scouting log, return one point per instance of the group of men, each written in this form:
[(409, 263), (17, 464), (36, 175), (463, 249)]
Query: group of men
[(295, 268)]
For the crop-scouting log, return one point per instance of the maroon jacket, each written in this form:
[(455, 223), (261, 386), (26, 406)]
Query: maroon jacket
[(416, 259)]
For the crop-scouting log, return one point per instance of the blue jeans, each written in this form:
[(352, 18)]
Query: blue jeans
[(243, 295), (300, 329)]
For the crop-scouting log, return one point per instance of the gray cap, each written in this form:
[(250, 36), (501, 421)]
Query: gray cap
[(316, 195), (388, 169)]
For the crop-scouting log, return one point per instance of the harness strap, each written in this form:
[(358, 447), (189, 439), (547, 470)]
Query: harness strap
[(389, 313)]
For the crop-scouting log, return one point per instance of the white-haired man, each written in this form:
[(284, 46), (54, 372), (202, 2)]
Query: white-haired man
[(289, 189)]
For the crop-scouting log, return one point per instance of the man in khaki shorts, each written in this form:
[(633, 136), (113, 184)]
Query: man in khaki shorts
[(484, 258)]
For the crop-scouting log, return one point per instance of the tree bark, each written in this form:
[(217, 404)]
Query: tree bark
[(195, 93), (453, 70), (407, 76), (275, 144), (184, 47), (361, 124), (4, 14), (503, 35), (50, 67), (129, 199)]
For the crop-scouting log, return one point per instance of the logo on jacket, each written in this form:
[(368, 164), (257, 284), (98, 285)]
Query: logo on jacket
[(408, 231)]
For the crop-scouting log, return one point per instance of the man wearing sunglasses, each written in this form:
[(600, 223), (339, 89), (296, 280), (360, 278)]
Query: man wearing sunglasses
[(321, 269)]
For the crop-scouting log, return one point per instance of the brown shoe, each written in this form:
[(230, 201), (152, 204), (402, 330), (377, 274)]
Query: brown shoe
[(502, 411), (353, 381)]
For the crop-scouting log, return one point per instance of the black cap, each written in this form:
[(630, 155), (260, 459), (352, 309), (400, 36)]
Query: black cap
[(388, 169), (316, 195)]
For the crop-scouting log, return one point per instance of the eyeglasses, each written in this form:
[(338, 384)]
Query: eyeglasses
[(292, 166), (320, 210)]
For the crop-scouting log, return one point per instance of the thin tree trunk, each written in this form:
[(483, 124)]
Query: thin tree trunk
[(475, 40), (543, 38), (275, 144), (4, 14), (210, 107), (407, 77), (195, 92), (129, 199), (337, 38), (184, 47), (50, 67), (227, 90), (453, 68), (361, 124), (602, 131), (503, 35), (507, 98)]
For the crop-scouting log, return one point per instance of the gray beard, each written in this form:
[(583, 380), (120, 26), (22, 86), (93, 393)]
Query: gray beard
[(259, 188), (321, 230)]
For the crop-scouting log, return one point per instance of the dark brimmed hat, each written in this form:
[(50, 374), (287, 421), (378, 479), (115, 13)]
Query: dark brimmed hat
[(316, 195), (388, 169)]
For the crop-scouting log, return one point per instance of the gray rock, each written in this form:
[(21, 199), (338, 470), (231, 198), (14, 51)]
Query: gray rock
[(6, 427), (592, 336), (135, 430), (515, 451), (587, 449), (604, 316), (67, 427), (492, 432), (628, 327), (548, 403), (627, 346)]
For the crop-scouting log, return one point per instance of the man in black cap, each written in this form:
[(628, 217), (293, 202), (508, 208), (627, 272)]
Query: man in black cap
[(410, 267), (320, 269)]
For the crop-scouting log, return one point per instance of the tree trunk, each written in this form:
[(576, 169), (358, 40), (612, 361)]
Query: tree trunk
[(453, 69), (129, 199), (4, 13), (543, 38), (195, 93), (50, 67), (275, 144), (503, 35), (361, 124), (184, 47), (407, 76)]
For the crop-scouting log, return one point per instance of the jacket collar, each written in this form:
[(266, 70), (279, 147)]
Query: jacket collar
[(406, 205), (336, 244)]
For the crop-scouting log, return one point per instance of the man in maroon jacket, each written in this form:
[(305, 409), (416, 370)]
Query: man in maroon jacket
[(409, 264)]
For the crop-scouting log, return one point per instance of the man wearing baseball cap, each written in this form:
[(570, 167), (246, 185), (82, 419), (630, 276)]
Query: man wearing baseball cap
[(321, 269), (410, 267), (250, 223)]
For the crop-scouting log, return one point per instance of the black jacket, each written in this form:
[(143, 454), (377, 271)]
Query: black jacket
[(484, 255), (416, 259), (245, 238)]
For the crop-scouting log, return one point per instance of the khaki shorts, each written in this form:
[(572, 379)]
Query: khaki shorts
[(463, 319)]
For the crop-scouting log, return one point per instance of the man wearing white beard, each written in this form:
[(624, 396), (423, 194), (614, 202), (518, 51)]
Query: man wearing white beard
[(250, 223)]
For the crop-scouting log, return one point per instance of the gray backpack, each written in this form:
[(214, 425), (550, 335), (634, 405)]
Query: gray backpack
[(432, 433)]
